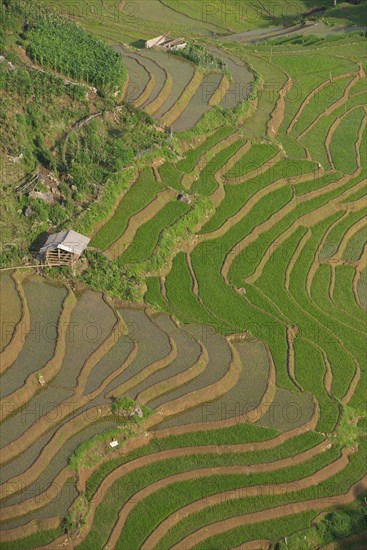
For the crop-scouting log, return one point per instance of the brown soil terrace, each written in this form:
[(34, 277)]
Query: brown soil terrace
[(277, 116)]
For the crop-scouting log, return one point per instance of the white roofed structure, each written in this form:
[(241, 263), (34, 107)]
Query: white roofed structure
[(63, 248), (164, 42)]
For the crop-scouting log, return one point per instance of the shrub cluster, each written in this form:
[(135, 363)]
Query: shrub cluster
[(103, 274)]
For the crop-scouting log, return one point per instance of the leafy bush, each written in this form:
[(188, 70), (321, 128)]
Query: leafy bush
[(130, 409), (103, 147), (102, 274), (77, 516), (198, 54), (341, 524), (11, 256)]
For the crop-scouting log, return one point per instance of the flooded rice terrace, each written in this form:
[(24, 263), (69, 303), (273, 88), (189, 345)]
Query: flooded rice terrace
[(63, 360), (158, 81)]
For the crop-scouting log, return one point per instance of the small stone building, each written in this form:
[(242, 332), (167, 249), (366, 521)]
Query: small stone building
[(63, 248)]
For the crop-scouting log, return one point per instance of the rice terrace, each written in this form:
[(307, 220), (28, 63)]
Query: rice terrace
[(183, 274)]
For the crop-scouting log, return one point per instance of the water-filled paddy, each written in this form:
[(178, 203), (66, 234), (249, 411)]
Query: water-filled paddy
[(188, 352), (153, 344), (138, 75), (199, 103), (45, 302), (241, 399), (10, 308), (219, 359), (288, 411), (91, 322), (181, 72), (56, 508), (45, 481), (149, 334), (241, 82)]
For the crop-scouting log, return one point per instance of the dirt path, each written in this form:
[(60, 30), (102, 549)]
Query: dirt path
[(215, 391), (163, 528), (316, 263), (333, 129), (32, 384), (353, 386), (328, 378), (219, 194), (63, 434), (242, 213), (277, 115), (295, 257), (307, 220), (204, 395), (188, 179), (292, 333), (43, 499), (137, 220), (32, 527), (98, 226), (348, 235), (266, 515), (11, 351), (148, 90), (162, 97), (246, 492), (257, 231)]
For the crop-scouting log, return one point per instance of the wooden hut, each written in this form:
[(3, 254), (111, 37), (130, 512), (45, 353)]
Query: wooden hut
[(63, 248)]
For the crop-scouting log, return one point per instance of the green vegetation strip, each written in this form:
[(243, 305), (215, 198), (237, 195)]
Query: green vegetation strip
[(338, 484), (343, 143), (258, 155), (129, 484), (188, 164), (61, 45), (148, 236), (158, 506), (137, 197), (207, 184), (39, 538)]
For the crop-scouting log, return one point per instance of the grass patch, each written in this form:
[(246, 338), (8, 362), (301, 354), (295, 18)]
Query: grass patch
[(37, 539), (166, 501), (207, 184), (343, 143), (139, 195), (188, 163), (171, 176), (148, 236), (258, 155)]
